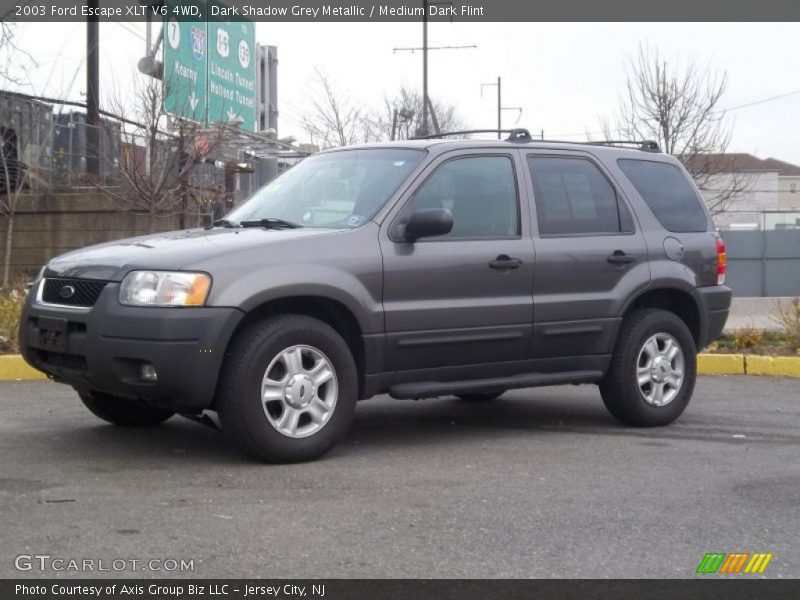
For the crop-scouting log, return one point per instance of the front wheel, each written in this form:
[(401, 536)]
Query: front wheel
[(653, 369), (123, 412), (288, 390)]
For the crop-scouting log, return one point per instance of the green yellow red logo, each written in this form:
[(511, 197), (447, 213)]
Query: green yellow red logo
[(734, 562)]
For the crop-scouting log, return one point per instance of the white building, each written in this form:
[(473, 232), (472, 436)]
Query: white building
[(743, 191)]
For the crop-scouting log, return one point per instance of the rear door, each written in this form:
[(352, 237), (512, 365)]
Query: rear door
[(464, 298), (590, 254)]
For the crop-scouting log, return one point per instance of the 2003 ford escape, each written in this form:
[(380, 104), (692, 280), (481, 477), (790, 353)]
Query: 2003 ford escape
[(422, 269)]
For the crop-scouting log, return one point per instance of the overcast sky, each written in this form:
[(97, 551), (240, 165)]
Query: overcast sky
[(563, 75)]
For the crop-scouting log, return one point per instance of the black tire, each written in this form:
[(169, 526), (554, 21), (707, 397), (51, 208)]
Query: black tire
[(480, 396), (122, 411), (239, 403), (620, 388)]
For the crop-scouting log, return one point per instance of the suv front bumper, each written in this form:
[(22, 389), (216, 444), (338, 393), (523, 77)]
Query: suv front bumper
[(103, 348)]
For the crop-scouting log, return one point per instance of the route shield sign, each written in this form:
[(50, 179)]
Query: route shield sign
[(186, 68), (232, 72), (210, 69)]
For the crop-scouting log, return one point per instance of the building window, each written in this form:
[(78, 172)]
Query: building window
[(792, 188)]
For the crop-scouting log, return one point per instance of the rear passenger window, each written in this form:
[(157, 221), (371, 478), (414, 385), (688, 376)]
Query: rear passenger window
[(481, 192), (574, 197), (665, 190)]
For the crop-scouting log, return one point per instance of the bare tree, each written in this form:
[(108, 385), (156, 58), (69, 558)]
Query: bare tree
[(156, 165), (13, 60), (679, 107), (402, 115), (12, 178), (12, 171), (333, 118)]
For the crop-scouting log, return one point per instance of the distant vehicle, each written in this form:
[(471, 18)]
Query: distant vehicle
[(419, 269)]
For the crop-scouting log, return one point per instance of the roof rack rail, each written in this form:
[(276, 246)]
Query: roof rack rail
[(514, 135), (643, 145), (523, 136)]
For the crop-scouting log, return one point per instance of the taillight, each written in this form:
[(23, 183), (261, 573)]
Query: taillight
[(722, 261)]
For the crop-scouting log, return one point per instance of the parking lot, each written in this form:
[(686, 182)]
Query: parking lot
[(541, 483)]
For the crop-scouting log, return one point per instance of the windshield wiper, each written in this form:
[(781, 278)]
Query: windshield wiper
[(223, 223), (271, 223)]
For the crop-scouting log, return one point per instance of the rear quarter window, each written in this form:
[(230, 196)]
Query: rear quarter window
[(668, 194)]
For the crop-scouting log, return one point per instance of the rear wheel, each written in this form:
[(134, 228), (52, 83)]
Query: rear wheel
[(122, 411), (653, 369), (480, 396), (288, 390)]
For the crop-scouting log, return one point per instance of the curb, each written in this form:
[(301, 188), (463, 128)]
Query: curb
[(744, 364), (14, 368), (721, 364), (784, 366)]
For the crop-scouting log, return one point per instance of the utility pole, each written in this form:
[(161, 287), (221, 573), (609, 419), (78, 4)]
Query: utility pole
[(425, 131), (500, 107), (426, 102), (93, 90), (499, 85)]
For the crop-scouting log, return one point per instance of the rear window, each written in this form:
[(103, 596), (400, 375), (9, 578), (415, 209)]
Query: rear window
[(665, 190), (573, 197)]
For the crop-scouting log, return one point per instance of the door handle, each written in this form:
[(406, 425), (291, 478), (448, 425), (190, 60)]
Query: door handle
[(505, 262), (620, 258)]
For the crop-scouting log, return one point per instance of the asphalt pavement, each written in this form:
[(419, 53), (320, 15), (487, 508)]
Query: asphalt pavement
[(541, 483)]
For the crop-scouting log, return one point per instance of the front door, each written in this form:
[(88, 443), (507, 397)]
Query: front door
[(463, 298)]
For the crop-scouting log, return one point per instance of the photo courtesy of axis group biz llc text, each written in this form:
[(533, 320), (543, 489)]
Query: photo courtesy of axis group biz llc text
[(400, 299)]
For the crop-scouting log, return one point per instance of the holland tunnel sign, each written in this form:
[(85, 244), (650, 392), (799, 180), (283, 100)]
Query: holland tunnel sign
[(210, 68)]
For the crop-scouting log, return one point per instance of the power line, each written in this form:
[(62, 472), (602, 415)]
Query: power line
[(418, 49), (762, 101), (724, 110), (129, 30)]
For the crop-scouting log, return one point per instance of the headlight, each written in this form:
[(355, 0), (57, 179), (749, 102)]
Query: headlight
[(164, 288)]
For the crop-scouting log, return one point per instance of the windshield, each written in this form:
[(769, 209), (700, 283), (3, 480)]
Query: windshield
[(339, 190)]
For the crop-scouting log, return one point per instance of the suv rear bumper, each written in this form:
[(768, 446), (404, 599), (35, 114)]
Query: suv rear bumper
[(104, 348), (715, 303)]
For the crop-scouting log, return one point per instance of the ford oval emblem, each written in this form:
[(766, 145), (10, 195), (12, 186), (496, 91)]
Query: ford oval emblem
[(66, 292)]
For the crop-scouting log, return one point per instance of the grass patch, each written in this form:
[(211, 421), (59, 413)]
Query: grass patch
[(748, 340)]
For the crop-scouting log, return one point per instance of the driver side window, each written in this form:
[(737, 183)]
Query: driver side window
[(480, 192)]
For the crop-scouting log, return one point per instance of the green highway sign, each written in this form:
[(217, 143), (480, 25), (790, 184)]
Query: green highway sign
[(210, 70), (232, 72), (186, 68)]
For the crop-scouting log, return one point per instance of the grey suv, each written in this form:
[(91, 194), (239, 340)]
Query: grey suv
[(418, 269)]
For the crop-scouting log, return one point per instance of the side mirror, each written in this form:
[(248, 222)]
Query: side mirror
[(428, 222)]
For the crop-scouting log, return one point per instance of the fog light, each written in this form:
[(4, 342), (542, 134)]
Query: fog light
[(148, 372)]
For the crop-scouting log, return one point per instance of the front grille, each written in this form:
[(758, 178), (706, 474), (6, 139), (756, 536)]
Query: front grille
[(64, 361), (72, 292)]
